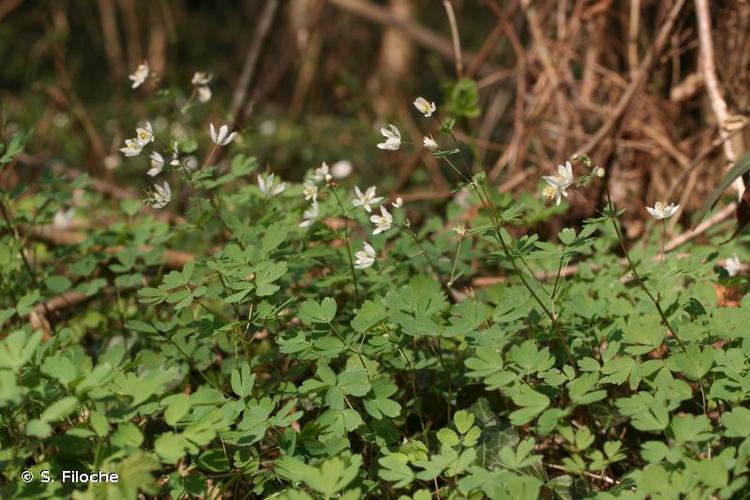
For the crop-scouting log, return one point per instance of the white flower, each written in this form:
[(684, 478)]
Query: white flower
[(398, 203), (424, 106), (223, 137), (559, 183), (132, 147), (365, 199), (111, 162), (382, 222), (139, 75), (269, 185), (191, 163), (157, 164), (310, 190), (554, 192), (365, 257), (322, 173), (63, 219), (204, 93), (733, 266), (201, 78), (392, 138), (341, 169), (175, 162), (430, 143), (160, 196), (144, 135), (460, 230), (309, 216), (662, 210), (564, 177)]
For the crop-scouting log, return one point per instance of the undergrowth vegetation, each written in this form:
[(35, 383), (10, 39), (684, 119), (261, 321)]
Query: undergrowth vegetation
[(247, 336)]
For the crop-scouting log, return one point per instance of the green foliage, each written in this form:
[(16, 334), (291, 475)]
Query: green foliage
[(267, 362)]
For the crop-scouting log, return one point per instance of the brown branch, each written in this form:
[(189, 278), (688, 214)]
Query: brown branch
[(616, 118), (708, 69), (239, 99), (457, 56), (421, 35), (175, 259)]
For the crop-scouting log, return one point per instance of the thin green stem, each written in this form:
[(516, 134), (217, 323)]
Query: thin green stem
[(30, 271), (348, 245), (636, 275)]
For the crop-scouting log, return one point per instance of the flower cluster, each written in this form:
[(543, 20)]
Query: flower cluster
[(161, 194)]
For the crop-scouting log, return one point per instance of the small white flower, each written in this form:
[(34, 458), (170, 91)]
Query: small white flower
[(430, 143), (392, 138), (424, 106), (139, 75), (157, 164), (111, 162), (310, 215), (144, 135), (365, 199), (175, 162), (559, 183), (310, 190), (365, 257), (564, 177), (223, 137), (201, 78), (341, 169), (191, 163), (160, 196), (382, 222), (554, 192), (204, 93), (733, 266), (398, 203), (132, 147), (63, 219), (662, 210), (269, 185), (322, 173), (460, 230)]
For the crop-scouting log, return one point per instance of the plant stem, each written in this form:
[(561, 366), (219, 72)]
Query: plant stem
[(348, 245), (27, 265), (637, 276)]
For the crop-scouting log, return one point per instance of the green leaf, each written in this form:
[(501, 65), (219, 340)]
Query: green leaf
[(311, 311), (463, 420), (242, 383), (59, 409), (38, 428), (533, 404)]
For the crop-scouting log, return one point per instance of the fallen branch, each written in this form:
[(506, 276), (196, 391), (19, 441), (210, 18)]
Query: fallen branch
[(174, 259)]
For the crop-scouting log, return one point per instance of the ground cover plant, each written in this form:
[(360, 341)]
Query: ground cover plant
[(235, 333)]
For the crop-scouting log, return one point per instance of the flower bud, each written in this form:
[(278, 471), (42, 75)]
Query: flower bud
[(599, 172)]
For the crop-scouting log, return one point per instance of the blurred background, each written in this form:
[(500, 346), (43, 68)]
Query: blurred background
[(654, 90)]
